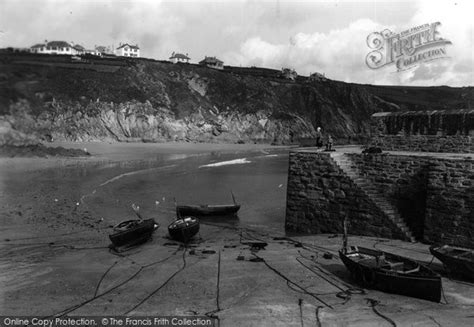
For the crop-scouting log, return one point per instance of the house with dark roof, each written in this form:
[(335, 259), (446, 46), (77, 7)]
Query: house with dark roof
[(128, 50), (54, 47), (212, 62), (37, 48), (78, 49), (179, 57), (317, 77)]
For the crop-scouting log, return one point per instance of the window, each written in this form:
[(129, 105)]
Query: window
[(54, 48)]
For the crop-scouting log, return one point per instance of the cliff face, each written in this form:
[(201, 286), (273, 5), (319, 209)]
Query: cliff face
[(52, 97)]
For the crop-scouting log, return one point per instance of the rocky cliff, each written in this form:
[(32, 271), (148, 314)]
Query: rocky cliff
[(57, 97)]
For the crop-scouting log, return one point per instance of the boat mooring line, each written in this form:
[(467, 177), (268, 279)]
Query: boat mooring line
[(373, 303), (300, 304), (77, 306), (218, 307), (218, 282), (318, 320), (102, 278), (433, 320), (161, 286), (292, 282), (319, 275), (299, 291)]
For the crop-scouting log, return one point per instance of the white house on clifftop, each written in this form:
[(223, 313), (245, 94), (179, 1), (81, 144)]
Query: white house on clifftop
[(54, 47), (179, 57), (127, 50)]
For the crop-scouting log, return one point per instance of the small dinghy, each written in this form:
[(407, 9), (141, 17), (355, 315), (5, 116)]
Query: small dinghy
[(208, 209), (457, 261), (184, 229), (132, 232), (392, 273)]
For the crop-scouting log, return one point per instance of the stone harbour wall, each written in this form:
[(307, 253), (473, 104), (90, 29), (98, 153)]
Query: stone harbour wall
[(320, 195), (424, 143), (424, 131), (400, 179), (450, 203), (434, 195)]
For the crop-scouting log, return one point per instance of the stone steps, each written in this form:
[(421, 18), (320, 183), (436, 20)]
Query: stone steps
[(373, 194)]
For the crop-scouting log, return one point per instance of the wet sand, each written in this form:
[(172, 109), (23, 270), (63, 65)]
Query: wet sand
[(55, 259)]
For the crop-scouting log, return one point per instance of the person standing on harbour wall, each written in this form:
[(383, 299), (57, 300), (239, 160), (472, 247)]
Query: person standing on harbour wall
[(319, 137), (329, 143)]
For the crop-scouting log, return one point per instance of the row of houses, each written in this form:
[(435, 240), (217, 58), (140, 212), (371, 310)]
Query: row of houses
[(211, 62), (130, 50), (69, 48)]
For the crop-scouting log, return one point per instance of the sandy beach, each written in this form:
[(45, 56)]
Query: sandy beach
[(55, 260)]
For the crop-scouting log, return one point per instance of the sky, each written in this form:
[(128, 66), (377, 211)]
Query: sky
[(329, 37)]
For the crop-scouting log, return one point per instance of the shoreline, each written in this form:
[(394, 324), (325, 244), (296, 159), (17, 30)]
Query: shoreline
[(107, 152)]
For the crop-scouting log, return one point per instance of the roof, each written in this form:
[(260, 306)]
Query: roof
[(39, 45), (210, 60), (179, 56), (101, 48), (79, 47), (59, 44), (129, 45)]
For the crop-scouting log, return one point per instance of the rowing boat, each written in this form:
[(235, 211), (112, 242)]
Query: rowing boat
[(131, 232), (208, 209), (392, 273), (456, 260), (184, 229)]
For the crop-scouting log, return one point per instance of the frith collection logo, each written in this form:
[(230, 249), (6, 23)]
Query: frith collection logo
[(406, 49)]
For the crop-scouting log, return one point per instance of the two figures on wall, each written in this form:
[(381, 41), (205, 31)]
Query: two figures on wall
[(320, 140)]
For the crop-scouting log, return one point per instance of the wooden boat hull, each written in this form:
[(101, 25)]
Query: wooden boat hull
[(423, 284), (184, 229), (139, 233), (457, 261), (207, 210)]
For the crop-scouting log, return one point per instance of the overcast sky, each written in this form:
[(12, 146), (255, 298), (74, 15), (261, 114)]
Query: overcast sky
[(309, 36)]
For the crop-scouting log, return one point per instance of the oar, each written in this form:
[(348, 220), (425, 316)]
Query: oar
[(233, 197)]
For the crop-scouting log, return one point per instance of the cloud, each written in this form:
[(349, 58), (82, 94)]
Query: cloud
[(309, 36), (456, 26), (340, 53), (151, 24)]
